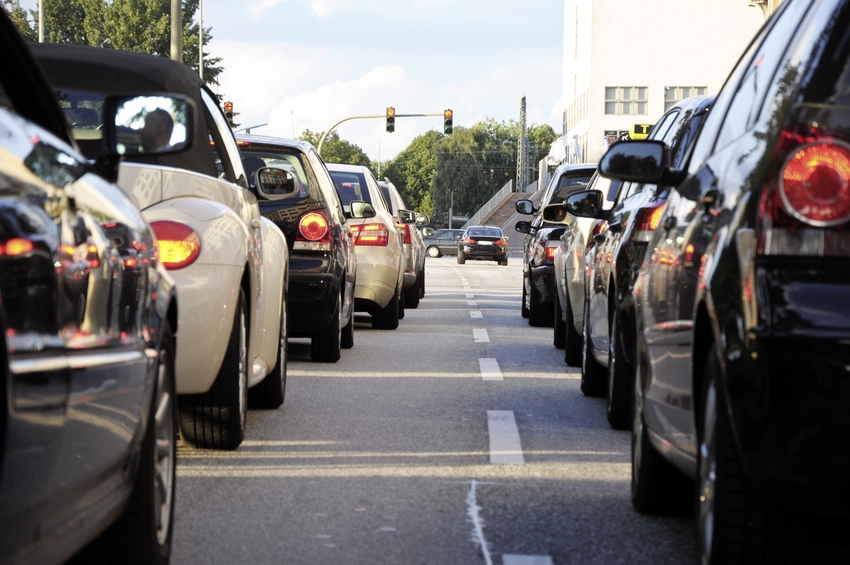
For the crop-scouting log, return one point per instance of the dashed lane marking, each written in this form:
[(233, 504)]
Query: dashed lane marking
[(505, 447)]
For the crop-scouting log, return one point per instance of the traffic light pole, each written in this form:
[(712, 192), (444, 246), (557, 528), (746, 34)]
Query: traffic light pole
[(382, 116)]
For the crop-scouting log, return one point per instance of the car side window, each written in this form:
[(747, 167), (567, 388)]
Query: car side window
[(661, 128), (228, 159), (326, 184)]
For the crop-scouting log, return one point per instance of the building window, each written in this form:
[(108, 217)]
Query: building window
[(675, 94), (625, 100)]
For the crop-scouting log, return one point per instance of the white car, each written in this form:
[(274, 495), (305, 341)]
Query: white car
[(414, 245), (230, 265), (378, 245)]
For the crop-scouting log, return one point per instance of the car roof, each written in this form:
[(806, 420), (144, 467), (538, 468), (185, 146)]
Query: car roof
[(348, 168), (272, 140)]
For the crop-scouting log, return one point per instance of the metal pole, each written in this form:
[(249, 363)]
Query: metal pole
[(176, 31), (41, 21), (201, 40), (330, 129)]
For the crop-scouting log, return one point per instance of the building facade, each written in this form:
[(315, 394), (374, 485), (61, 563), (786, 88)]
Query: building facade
[(626, 62)]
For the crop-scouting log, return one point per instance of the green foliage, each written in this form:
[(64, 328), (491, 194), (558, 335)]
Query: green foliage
[(541, 139), (336, 150), (143, 26), (19, 17), (413, 170)]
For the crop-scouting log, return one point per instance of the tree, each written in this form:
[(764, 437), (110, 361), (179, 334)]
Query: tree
[(541, 138), (413, 170), (143, 26), (336, 150), (19, 17)]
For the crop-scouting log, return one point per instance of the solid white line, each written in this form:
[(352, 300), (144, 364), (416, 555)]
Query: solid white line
[(526, 560), (490, 370), (479, 335), (476, 314), (472, 510), (505, 447)]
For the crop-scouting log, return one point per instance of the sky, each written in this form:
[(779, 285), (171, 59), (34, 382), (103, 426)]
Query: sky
[(307, 64)]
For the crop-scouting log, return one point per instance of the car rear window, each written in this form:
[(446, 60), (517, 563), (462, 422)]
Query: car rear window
[(484, 232), (351, 186)]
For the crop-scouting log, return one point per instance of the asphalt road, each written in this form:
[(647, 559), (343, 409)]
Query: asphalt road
[(459, 438)]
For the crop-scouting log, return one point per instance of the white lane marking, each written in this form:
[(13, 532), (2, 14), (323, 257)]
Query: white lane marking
[(472, 510), (490, 370), (505, 447), (479, 335), (471, 303), (470, 296), (476, 314), (526, 560)]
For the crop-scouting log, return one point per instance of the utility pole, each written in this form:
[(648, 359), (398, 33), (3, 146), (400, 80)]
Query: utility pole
[(176, 31), (522, 152)]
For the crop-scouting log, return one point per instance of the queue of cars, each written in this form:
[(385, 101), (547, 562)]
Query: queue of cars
[(154, 267), (725, 322)]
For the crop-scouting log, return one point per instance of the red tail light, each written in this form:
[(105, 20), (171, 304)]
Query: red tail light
[(92, 256), (407, 237), (179, 245), (370, 234), (807, 211), (551, 246), (16, 246), (469, 241), (647, 221)]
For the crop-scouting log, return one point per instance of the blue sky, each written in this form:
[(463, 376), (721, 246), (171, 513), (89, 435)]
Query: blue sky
[(306, 64)]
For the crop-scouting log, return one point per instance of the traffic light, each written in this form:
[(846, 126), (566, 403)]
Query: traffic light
[(447, 121), (228, 112), (390, 119)]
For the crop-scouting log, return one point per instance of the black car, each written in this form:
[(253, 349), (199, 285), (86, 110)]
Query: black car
[(541, 240), (743, 304), (322, 265), (607, 363), (483, 242), (87, 410)]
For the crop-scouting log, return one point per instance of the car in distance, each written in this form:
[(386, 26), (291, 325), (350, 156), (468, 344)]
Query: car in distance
[(87, 407), (742, 304), (229, 263), (442, 242), (483, 243), (541, 240), (322, 262), (609, 337), (378, 245)]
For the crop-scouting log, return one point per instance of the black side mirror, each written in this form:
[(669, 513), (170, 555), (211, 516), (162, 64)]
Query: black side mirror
[(523, 227), (585, 204), (636, 161), (525, 206)]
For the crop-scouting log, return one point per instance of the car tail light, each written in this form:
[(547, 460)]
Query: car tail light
[(500, 242), (647, 221), (16, 246), (551, 246), (313, 233), (407, 237), (469, 241), (805, 208), (370, 234), (179, 245)]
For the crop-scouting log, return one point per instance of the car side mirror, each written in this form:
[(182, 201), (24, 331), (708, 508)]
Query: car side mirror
[(636, 161), (406, 216), (148, 125), (523, 227), (422, 219), (555, 213), (359, 209), (585, 204), (427, 232), (275, 184), (525, 207)]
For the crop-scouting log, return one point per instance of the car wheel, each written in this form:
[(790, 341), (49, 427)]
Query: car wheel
[(434, 251), (269, 393), (524, 310), (400, 303), (411, 295), (143, 533), (216, 419), (572, 340), (347, 338), (560, 333), (619, 383), (593, 377), (461, 258), (657, 486), (730, 522), (326, 343), (421, 283), (504, 262), (538, 315), (387, 317)]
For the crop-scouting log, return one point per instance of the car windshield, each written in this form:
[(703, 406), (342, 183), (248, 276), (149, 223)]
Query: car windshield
[(351, 186), (292, 162)]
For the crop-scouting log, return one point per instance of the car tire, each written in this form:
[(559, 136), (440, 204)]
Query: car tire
[(593, 377), (524, 309), (619, 379), (400, 303), (411, 295), (386, 318), (732, 524), (326, 343), (143, 533), (216, 419), (434, 251), (269, 393), (657, 486), (461, 258), (347, 338), (559, 335), (572, 341), (538, 315), (504, 262), (421, 283)]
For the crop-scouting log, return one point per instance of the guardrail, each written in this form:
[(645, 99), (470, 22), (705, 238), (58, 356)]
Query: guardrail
[(491, 205)]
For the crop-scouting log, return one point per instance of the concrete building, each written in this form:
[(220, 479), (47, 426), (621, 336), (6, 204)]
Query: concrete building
[(627, 61)]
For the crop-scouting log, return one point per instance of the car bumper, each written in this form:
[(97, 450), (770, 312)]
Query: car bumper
[(313, 293), (377, 278), (543, 279), (492, 253)]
